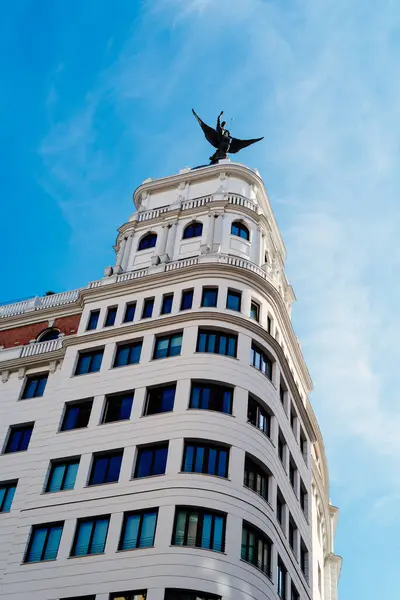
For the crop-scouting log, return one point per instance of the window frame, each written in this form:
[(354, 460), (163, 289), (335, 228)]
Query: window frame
[(189, 293), (241, 228), (94, 314), (153, 448), (131, 346), (146, 303), (207, 447), (193, 225), (70, 405), (201, 514), (10, 488), (237, 295), (129, 306), (113, 398), (281, 579), (254, 303), (219, 335), (38, 378), (34, 529), (252, 465), (66, 463), (151, 235), (21, 427), (214, 387), (209, 289), (92, 353), (261, 414), (169, 296), (169, 337), (259, 536), (186, 594), (94, 521), (150, 391), (266, 362), (131, 595), (108, 455), (141, 514), (111, 315)]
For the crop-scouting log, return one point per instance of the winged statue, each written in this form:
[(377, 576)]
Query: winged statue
[(221, 139)]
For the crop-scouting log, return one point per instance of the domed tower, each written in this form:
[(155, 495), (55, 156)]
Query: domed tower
[(172, 451)]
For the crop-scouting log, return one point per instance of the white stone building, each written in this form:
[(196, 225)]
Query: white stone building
[(156, 435)]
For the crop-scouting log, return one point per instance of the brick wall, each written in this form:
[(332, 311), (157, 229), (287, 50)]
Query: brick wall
[(19, 336)]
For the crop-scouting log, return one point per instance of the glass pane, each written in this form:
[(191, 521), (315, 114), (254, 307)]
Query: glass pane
[(98, 474), (192, 529), (161, 349), (56, 477), (211, 339), (206, 531), (122, 356), (135, 352), (96, 363), (232, 346), (99, 537), (129, 313), (218, 543), (145, 460), (148, 530), (131, 532), (3, 491), (126, 407), (176, 343), (227, 402), (222, 349), (167, 305), (71, 415), (160, 460), (195, 397), (9, 497), (82, 538), (83, 364), (198, 466), (212, 461), (167, 400), (26, 436), (14, 440), (180, 528), (114, 468), (41, 386), (53, 542), (30, 388), (148, 309), (188, 461), (201, 342), (37, 544), (70, 478), (223, 463)]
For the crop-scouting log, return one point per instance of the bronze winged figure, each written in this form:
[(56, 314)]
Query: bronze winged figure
[(221, 139)]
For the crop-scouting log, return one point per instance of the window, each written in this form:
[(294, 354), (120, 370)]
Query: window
[(160, 399), (282, 572), (128, 354), (234, 300), (281, 448), (7, 491), (147, 241), (256, 477), (294, 594), (18, 438), (280, 509), (106, 467), (304, 558), (187, 299), (138, 530), (303, 445), (90, 536), (258, 416), (269, 325), (110, 317), (293, 417), (89, 361), (151, 460), (199, 528), (44, 542), (166, 306), (209, 297), (303, 498), (208, 396), (34, 386), (255, 311), (240, 230), (139, 595), (48, 335), (319, 579), (216, 342), (256, 548), (168, 345), (292, 534), (76, 415), (176, 594), (193, 230), (118, 407), (261, 361), (130, 312), (292, 474), (62, 475), (282, 392), (148, 305), (93, 320), (211, 459)]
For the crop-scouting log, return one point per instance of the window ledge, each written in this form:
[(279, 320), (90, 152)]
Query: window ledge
[(198, 548), (133, 549), (96, 485), (204, 475)]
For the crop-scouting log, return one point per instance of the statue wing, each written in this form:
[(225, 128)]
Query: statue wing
[(237, 145), (210, 133)]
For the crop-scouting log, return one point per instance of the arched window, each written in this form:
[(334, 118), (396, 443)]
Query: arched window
[(193, 230), (47, 335), (240, 230), (148, 241)]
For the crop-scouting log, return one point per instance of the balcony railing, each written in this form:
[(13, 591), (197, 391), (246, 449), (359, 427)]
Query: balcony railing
[(30, 350), (37, 303)]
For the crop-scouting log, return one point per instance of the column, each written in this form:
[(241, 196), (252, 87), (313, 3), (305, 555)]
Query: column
[(171, 240), (211, 228), (120, 255), (217, 238), (261, 259), (127, 253), (255, 246), (163, 243)]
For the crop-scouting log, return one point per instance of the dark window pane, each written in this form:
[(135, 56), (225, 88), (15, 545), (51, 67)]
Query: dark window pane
[(151, 460), (255, 311), (167, 304), (7, 491), (234, 300), (178, 594), (211, 459), (240, 230), (216, 342), (138, 530), (118, 408), (261, 361), (130, 312), (90, 536), (258, 416), (256, 548), (76, 415), (35, 385), (169, 345), (211, 397), (62, 475), (160, 399), (148, 308), (256, 478), (209, 297), (148, 241), (106, 468), (128, 354), (187, 299), (93, 320), (193, 230), (199, 528), (19, 438), (110, 318), (89, 362), (44, 542)]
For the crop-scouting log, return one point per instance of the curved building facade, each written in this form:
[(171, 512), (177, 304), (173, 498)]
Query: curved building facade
[(157, 438)]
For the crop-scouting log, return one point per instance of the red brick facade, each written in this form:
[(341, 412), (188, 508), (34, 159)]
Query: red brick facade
[(19, 336)]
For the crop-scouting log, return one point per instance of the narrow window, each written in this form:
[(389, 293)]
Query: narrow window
[(256, 477), (207, 396), (269, 325), (110, 317), (76, 415), (106, 467), (128, 354), (18, 438), (234, 300), (130, 312), (118, 407), (258, 416), (151, 460), (292, 474), (294, 594), (166, 306), (34, 386), (44, 542), (187, 299), (293, 418), (90, 536), (147, 241), (199, 528), (160, 399), (62, 474), (168, 345), (261, 361), (148, 305), (282, 573), (89, 361), (304, 559), (216, 342), (93, 320), (303, 498), (256, 548), (7, 492), (282, 394), (138, 530), (303, 445), (255, 311), (280, 509), (209, 297), (281, 448), (292, 534), (240, 230), (210, 459)]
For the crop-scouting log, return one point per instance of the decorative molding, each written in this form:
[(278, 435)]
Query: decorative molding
[(21, 372), (5, 375)]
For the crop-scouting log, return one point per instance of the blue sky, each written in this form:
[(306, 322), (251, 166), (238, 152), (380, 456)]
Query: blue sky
[(97, 97)]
